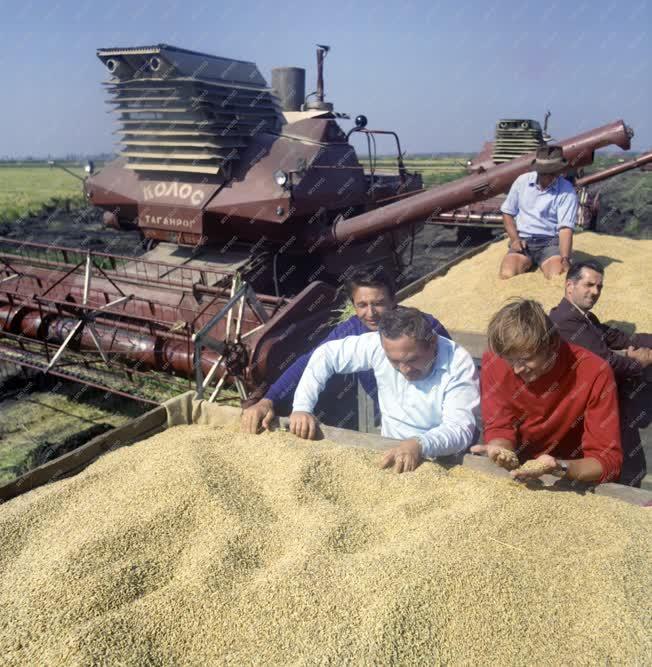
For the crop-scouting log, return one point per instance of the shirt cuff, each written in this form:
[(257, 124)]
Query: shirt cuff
[(426, 449), (272, 395), (302, 408)]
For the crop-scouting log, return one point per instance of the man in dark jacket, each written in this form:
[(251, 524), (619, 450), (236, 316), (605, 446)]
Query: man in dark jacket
[(577, 324)]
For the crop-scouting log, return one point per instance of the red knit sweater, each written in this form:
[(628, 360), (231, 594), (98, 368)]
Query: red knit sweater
[(571, 412)]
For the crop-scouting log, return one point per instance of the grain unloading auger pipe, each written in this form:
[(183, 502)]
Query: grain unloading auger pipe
[(621, 168), (578, 151)]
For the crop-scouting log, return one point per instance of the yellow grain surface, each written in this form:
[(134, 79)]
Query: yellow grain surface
[(204, 546), (471, 292)]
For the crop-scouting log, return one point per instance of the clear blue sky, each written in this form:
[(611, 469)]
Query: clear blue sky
[(439, 73)]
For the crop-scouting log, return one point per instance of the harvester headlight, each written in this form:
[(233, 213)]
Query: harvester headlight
[(281, 178)]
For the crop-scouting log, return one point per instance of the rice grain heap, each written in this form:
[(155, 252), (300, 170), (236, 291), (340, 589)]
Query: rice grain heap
[(471, 292), (206, 546)]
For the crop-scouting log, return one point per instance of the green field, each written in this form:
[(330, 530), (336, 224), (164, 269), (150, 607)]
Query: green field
[(34, 421), (434, 171), (27, 190)]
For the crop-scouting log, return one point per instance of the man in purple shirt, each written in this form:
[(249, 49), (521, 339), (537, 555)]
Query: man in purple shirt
[(372, 292), (539, 216), (577, 324)]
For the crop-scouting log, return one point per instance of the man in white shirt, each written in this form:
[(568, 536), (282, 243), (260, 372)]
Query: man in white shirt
[(428, 387)]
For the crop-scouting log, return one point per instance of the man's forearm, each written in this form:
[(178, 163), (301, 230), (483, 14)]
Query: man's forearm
[(348, 355), (642, 340), (510, 226), (566, 242), (584, 470), (445, 440), (287, 383), (307, 392), (312, 382), (504, 443)]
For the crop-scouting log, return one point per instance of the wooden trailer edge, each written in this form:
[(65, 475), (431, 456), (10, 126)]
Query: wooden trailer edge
[(185, 409)]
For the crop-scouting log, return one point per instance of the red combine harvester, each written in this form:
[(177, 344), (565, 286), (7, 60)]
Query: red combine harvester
[(253, 206)]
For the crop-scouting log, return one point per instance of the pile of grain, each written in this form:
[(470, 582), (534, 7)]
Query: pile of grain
[(201, 546), (471, 292)]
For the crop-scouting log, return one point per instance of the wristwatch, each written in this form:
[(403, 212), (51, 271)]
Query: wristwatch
[(562, 469)]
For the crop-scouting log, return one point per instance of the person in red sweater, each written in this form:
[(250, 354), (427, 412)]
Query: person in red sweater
[(545, 399)]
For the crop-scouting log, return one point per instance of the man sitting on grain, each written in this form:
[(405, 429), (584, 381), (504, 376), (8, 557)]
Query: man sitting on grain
[(546, 399), (577, 324), (539, 215), (427, 387)]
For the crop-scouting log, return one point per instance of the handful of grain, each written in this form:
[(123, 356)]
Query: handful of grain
[(507, 459), (534, 466), (203, 546)]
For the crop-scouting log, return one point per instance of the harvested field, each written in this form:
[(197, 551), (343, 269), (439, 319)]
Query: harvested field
[(205, 546), (471, 292), (37, 426)]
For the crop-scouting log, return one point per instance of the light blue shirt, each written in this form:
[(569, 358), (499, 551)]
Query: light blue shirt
[(439, 410), (541, 212)]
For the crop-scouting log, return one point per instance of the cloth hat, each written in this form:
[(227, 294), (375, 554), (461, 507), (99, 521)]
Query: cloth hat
[(549, 160)]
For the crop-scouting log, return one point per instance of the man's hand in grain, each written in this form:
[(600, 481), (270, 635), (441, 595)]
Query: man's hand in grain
[(258, 416), (533, 469), (498, 454), (304, 425), (405, 458)]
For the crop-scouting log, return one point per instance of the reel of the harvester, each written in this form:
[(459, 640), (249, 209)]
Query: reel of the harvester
[(233, 355)]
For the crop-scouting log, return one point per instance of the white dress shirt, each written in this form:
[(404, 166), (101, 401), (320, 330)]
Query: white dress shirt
[(439, 410)]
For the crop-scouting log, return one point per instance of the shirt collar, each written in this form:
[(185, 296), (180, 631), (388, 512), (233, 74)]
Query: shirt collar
[(532, 181), (442, 360), (583, 313)]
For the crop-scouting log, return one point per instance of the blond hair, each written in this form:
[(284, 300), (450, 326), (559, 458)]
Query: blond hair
[(521, 327)]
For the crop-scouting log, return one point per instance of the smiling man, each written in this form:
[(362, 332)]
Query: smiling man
[(546, 399), (427, 387), (372, 293), (577, 324)]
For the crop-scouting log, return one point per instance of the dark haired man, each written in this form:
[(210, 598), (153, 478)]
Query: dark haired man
[(427, 386), (539, 215), (545, 399), (372, 293), (577, 324)]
